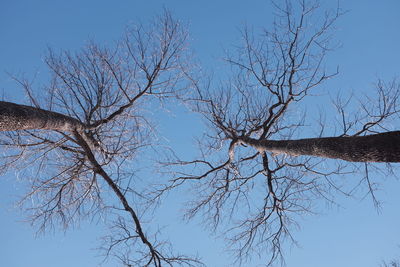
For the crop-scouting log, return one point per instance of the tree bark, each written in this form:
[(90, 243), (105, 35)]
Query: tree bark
[(20, 117), (382, 147)]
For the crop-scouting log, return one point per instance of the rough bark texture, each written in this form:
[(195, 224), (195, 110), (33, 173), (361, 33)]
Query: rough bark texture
[(382, 147), (20, 117)]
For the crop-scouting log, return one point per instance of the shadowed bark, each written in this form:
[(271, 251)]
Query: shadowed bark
[(382, 147)]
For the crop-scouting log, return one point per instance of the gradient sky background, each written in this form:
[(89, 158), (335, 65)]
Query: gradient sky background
[(355, 235)]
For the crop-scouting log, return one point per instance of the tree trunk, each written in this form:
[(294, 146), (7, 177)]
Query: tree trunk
[(382, 147), (20, 117)]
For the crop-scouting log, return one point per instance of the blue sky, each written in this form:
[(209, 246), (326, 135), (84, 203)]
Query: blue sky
[(355, 235)]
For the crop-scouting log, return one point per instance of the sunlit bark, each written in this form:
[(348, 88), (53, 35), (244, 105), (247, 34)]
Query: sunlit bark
[(20, 117)]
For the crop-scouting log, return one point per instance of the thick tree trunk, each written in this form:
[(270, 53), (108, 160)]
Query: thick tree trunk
[(383, 147), (20, 117)]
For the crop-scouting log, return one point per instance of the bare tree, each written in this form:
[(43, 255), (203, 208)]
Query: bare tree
[(256, 173), (254, 178), (77, 143), (393, 263)]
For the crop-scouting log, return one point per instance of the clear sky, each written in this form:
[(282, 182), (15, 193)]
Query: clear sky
[(354, 235)]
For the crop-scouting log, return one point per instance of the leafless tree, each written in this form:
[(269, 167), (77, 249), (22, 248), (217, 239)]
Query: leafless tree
[(392, 263), (257, 171), (253, 177), (78, 142)]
